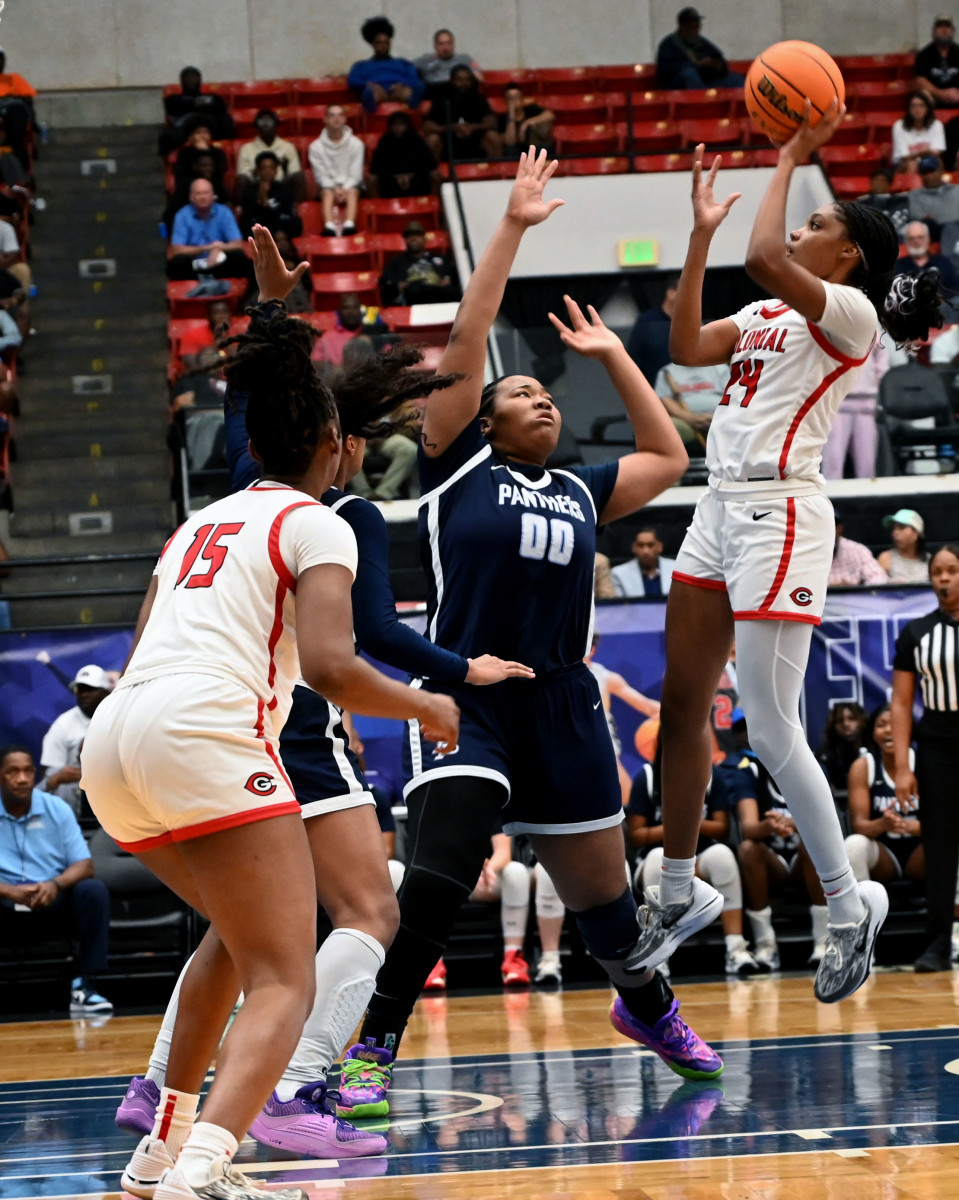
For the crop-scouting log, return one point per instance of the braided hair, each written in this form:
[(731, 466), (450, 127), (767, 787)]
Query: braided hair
[(373, 26), (488, 396), (907, 305), (370, 396), (289, 409)]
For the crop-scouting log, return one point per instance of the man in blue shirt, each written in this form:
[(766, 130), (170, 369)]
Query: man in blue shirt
[(46, 876), (206, 239), (383, 77)]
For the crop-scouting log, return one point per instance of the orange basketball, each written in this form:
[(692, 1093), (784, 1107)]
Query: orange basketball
[(780, 81)]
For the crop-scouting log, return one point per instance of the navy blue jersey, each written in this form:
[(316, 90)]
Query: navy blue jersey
[(882, 791), (508, 551), (746, 778), (645, 800)]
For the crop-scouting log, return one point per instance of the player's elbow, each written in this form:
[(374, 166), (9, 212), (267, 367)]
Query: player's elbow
[(761, 264)]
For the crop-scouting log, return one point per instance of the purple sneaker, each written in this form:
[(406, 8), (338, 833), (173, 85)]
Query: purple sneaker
[(137, 1113), (672, 1039), (308, 1125)]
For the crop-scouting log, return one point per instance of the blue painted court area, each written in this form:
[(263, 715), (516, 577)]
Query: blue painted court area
[(844, 1093)]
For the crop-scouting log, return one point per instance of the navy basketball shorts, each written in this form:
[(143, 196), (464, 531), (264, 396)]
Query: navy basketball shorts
[(901, 849), (325, 773), (545, 740)]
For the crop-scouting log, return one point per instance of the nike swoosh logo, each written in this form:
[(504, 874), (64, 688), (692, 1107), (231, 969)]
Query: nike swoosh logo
[(597, 704), (759, 516)]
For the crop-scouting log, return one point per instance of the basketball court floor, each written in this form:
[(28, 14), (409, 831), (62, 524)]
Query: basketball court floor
[(533, 1094)]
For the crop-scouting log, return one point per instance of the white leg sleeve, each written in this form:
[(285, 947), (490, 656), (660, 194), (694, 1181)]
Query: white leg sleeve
[(397, 871), (514, 900), (717, 865), (156, 1070), (346, 968), (771, 659), (652, 868), (863, 854), (548, 903)]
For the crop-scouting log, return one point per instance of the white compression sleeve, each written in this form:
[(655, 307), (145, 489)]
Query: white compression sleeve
[(514, 901), (771, 659), (160, 1056)]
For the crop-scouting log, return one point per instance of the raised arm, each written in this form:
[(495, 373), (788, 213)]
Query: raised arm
[(767, 261), (659, 459), (466, 352)]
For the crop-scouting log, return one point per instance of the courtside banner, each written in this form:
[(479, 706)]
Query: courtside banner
[(850, 659)]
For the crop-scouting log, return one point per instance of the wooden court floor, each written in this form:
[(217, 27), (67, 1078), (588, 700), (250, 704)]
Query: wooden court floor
[(535, 1095)]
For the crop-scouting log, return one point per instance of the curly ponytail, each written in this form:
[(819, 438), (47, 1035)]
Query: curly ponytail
[(907, 306), (288, 409), (367, 394)]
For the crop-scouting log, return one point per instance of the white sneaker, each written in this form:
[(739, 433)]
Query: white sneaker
[(818, 950), (549, 972), (766, 955), (144, 1170), (225, 1184), (740, 962), (847, 956), (663, 928)]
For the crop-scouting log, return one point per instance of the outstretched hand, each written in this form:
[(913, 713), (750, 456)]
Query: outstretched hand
[(708, 212), (808, 138), (526, 204), (273, 279), (590, 338)]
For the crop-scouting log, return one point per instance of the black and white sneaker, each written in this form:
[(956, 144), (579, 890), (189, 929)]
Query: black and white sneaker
[(847, 956), (663, 928), (85, 999), (226, 1183)]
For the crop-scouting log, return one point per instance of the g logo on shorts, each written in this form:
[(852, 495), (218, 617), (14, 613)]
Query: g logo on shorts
[(801, 596), (260, 784)]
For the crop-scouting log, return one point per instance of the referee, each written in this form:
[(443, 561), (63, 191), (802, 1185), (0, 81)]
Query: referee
[(927, 650)]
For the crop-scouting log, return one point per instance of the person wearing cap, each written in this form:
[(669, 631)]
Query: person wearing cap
[(935, 202), (60, 755), (418, 275), (907, 561), (937, 64), (336, 159), (267, 201), (853, 564), (685, 59), (289, 170), (47, 886)]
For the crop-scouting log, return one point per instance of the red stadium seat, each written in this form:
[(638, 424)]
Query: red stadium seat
[(181, 305), (392, 216), (565, 81), (330, 89), (655, 137), (664, 162), (273, 94), (625, 77), (764, 156), (868, 68), (311, 118), (852, 131), (721, 132), (244, 118), (330, 286), (617, 106), (611, 165), (850, 160), (650, 106), (584, 139), (702, 105), (588, 109), (355, 253), (495, 81), (879, 97), (469, 172), (311, 214), (849, 187)]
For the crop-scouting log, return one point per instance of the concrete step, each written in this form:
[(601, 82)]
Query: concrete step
[(89, 495), (64, 137), (87, 412), (73, 611), (80, 575), (150, 465), (84, 548), (143, 386), (58, 329), (150, 520)]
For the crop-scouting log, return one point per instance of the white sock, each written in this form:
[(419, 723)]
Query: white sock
[(204, 1146), (514, 903), (346, 968), (820, 919), (156, 1070), (842, 898), (677, 882), (174, 1119), (734, 941), (762, 923)]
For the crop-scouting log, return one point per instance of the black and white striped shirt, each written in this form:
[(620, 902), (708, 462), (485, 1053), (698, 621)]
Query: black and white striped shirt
[(929, 648)]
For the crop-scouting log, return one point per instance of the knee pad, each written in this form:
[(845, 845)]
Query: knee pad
[(514, 885), (548, 903), (609, 930), (863, 854), (397, 871), (717, 865)]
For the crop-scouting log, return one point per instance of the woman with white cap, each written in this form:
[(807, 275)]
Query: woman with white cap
[(907, 561)]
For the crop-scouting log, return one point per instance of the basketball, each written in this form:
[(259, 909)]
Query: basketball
[(782, 78)]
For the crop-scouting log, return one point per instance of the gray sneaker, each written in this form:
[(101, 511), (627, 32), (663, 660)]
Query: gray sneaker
[(226, 1184), (847, 959), (662, 929)]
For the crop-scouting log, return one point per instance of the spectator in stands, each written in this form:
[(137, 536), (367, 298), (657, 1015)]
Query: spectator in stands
[(916, 133), (267, 137), (15, 300), (894, 204), (206, 239), (399, 471), (435, 68), (920, 257), (60, 754), (402, 163), (300, 300), (352, 320), (10, 339), (16, 107), (336, 158), (199, 148), (205, 385), (935, 202), (418, 275), (219, 317), (524, 124), (937, 65), (603, 586), (648, 573), (47, 886), (685, 59), (907, 561), (691, 396), (853, 431), (648, 344), (853, 564), (842, 740), (382, 77), (461, 123), (13, 173), (268, 202), (185, 104)]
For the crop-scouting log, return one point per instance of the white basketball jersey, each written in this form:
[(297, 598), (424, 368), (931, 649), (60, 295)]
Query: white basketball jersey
[(226, 586), (787, 379)]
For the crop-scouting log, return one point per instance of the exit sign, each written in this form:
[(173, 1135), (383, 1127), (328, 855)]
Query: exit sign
[(642, 252)]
